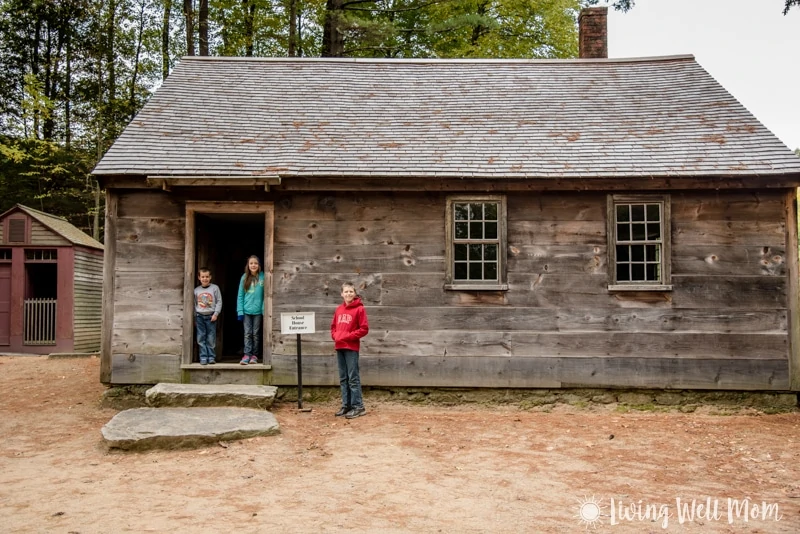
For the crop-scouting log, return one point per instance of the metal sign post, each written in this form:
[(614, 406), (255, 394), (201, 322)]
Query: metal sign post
[(299, 323)]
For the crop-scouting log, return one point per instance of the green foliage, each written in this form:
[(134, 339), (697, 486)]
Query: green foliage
[(42, 175), (505, 29)]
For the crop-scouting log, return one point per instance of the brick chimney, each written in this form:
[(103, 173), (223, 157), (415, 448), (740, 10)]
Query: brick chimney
[(593, 32)]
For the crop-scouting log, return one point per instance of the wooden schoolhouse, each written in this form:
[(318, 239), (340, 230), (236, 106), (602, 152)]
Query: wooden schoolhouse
[(51, 285), (591, 222)]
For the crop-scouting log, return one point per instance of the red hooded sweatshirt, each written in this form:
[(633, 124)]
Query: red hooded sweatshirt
[(349, 325)]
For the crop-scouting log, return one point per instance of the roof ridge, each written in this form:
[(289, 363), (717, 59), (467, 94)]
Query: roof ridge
[(512, 61)]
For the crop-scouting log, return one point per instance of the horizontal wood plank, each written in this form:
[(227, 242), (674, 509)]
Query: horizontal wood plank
[(749, 233), (565, 320), (349, 259), (521, 344), (142, 368), (722, 260), (148, 204), (147, 341), (720, 206), (671, 373), (364, 233), (360, 206)]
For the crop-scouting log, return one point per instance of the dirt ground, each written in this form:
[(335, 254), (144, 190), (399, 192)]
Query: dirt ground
[(401, 468)]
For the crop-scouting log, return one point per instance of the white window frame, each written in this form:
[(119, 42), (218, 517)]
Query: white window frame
[(666, 249), (451, 283)]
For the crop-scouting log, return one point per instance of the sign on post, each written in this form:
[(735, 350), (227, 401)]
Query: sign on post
[(298, 323)]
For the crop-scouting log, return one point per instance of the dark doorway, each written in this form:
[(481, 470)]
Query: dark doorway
[(41, 281), (224, 242)]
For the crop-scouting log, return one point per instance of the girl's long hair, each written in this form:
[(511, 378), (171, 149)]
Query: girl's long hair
[(249, 278)]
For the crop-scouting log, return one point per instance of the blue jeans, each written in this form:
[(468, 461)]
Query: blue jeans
[(252, 334), (206, 337), (349, 378)]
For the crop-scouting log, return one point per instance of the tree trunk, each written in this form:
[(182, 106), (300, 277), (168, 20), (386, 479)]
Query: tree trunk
[(203, 26), (165, 39), (68, 86), (37, 37), (96, 224), (249, 26), (134, 74), (292, 28), (110, 54), (332, 38), (48, 122), (188, 13)]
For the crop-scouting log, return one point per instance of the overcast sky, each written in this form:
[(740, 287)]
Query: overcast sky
[(749, 46)]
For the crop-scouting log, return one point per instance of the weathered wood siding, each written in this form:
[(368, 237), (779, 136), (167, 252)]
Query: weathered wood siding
[(87, 300), (42, 236), (147, 288), (724, 326)]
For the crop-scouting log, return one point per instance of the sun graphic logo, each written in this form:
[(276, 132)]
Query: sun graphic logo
[(589, 511)]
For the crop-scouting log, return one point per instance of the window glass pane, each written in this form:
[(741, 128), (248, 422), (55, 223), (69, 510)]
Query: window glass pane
[(490, 212), (623, 213), (623, 232), (460, 271), (637, 232), (476, 230), (637, 212), (651, 252), (475, 252), (490, 252), (653, 232), (460, 252), (653, 272), (476, 212), (623, 253), (460, 212), (462, 230), (637, 252), (622, 272), (476, 271), (653, 212), (490, 271), (637, 272), (491, 230)]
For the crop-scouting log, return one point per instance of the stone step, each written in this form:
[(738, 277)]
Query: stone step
[(174, 428), (189, 395)]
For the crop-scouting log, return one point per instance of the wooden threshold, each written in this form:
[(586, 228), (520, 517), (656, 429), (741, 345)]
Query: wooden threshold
[(227, 366)]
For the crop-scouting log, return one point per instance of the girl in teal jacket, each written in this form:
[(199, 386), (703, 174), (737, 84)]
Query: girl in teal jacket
[(250, 308)]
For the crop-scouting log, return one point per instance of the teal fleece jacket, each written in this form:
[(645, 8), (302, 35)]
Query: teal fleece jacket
[(251, 302)]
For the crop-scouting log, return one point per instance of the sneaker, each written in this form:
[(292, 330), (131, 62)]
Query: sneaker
[(245, 360), (212, 362), (342, 411), (203, 362), (355, 412), (253, 359)]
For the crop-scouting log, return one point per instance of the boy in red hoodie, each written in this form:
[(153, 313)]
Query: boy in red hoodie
[(348, 326)]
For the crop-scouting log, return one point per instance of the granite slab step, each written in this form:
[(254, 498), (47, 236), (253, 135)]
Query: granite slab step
[(189, 395), (176, 428)]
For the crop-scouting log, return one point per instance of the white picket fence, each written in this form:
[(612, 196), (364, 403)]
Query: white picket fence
[(39, 322)]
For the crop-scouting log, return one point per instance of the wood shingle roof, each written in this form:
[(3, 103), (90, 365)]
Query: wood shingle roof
[(248, 117)]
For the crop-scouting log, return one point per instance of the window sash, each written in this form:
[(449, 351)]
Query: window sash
[(638, 242), (476, 242)]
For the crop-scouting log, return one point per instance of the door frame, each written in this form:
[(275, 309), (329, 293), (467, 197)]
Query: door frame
[(197, 207)]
